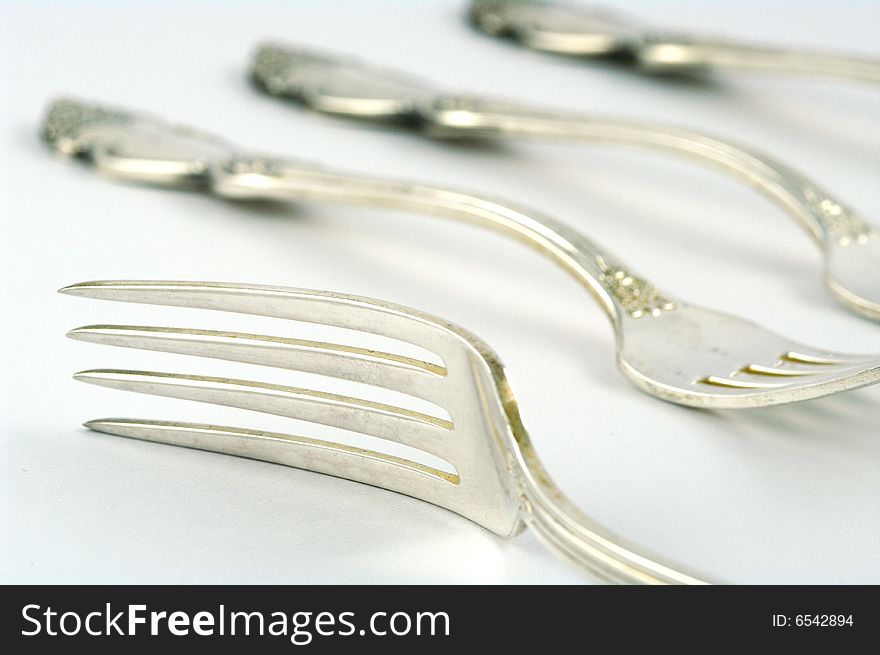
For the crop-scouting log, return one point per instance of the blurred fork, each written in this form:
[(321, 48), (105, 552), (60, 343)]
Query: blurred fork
[(678, 352), (494, 479), (347, 87), (600, 32)]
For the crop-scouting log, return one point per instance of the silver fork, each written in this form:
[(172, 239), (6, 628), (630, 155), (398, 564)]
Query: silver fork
[(494, 479), (601, 32), (676, 351), (348, 87)]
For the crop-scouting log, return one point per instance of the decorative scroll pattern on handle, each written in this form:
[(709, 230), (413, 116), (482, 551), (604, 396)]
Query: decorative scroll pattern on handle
[(275, 68), (66, 119), (637, 296), (841, 223), (252, 164)]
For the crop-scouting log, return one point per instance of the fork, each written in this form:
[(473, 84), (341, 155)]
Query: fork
[(678, 352), (491, 474), (348, 87), (600, 32)]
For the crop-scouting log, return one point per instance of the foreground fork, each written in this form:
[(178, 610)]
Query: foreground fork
[(348, 87), (493, 478), (582, 30), (678, 352)]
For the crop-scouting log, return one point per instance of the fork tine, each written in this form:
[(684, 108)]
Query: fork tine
[(422, 431), (403, 374), (322, 307), (813, 357), (792, 369), (327, 457), (805, 387), (736, 383), (861, 373), (773, 371)]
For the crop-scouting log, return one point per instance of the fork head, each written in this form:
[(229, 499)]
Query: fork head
[(699, 357), (489, 472), (468, 432)]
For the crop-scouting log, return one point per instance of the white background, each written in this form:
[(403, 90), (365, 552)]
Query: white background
[(788, 494)]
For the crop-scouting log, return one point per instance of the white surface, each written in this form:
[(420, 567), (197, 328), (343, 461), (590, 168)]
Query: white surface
[(789, 494)]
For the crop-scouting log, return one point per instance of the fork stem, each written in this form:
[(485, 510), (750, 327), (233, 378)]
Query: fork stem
[(572, 251), (672, 54), (580, 539), (796, 194)]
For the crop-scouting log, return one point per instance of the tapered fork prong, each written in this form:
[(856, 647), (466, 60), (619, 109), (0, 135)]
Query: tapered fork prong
[(330, 458), (407, 375), (428, 433), (798, 385), (321, 307)]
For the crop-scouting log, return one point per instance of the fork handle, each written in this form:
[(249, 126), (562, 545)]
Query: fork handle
[(618, 292), (677, 54), (823, 217)]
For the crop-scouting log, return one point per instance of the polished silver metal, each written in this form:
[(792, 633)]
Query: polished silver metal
[(586, 30), (495, 477), (676, 351), (352, 88)]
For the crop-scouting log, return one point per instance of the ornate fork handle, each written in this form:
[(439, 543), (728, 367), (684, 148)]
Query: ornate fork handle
[(584, 30), (620, 293), (823, 217)]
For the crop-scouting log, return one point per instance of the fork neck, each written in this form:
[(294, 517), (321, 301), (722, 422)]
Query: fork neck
[(566, 529), (618, 292), (558, 521), (675, 54), (823, 217)]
